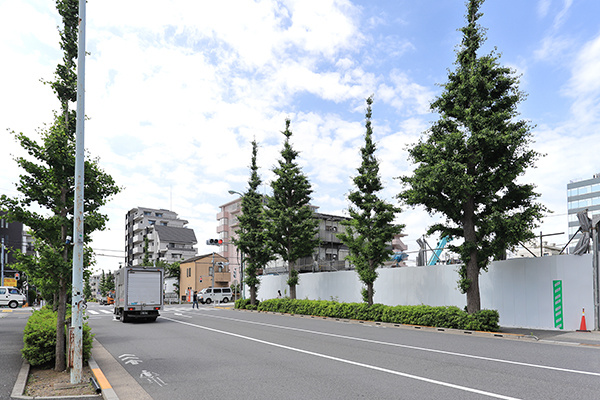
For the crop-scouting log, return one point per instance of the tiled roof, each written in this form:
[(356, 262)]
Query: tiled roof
[(176, 235)]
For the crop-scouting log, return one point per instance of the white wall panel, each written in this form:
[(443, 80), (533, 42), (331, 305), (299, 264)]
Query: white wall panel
[(520, 289)]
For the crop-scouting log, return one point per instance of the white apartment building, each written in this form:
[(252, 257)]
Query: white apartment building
[(168, 238)]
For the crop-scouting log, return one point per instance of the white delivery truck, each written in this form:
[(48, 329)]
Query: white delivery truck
[(139, 293)]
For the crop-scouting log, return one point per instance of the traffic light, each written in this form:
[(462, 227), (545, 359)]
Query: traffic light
[(214, 242), (17, 276)]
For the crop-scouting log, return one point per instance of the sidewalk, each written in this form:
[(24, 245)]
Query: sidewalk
[(14, 370), (557, 336)]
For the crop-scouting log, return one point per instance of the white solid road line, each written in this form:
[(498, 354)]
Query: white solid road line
[(373, 367), (523, 364)]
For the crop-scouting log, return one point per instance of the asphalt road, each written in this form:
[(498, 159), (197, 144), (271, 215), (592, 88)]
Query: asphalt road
[(12, 324), (221, 353)]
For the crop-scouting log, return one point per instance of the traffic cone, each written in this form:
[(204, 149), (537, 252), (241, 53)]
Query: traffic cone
[(582, 327)]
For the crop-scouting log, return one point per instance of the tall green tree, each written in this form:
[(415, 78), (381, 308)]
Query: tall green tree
[(146, 260), (48, 184), (371, 226), (252, 239), (469, 161), (107, 283), (292, 227)]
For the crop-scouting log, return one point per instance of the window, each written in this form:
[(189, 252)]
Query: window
[(163, 223), (147, 213), (584, 189), (159, 215), (217, 290), (151, 222)]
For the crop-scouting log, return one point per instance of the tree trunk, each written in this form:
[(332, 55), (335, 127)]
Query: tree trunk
[(292, 291), (370, 294), (253, 294), (59, 364), (473, 298)]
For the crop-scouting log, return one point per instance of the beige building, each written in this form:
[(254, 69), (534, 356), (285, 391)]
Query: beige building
[(196, 273)]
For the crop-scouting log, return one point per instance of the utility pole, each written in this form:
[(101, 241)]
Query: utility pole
[(76, 331)]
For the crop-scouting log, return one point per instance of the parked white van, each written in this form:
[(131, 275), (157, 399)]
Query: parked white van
[(11, 296), (209, 295)]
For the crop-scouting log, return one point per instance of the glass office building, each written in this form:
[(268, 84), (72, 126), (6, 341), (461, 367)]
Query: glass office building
[(582, 195)]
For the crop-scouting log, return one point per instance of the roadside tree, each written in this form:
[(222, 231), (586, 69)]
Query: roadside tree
[(252, 238), (470, 159), (292, 228), (46, 203), (371, 227)]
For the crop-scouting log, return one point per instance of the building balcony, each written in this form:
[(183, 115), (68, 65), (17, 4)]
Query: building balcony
[(222, 277)]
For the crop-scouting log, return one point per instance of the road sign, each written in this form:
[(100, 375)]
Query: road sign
[(10, 282)]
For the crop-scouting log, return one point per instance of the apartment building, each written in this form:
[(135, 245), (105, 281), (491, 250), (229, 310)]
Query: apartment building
[(168, 238), (329, 256)]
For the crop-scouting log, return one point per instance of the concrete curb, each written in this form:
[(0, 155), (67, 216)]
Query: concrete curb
[(19, 387), (401, 326), (107, 391)]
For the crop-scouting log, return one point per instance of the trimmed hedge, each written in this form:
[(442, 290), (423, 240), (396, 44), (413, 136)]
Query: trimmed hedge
[(245, 304), (441, 317), (39, 338)]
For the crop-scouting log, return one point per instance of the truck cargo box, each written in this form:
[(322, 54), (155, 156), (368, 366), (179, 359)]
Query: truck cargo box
[(139, 293)]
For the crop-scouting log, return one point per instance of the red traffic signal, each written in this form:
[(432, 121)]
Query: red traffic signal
[(214, 242)]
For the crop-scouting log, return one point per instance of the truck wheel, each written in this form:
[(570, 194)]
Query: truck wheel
[(225, 300), (13, 304), (208, 301), (123, 318)]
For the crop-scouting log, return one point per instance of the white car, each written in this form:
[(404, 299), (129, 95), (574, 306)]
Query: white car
[(209, 295), (11, 296)]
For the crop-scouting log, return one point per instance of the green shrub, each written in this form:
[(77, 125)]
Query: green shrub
[(442, 317), (244, 303), (39, 338)]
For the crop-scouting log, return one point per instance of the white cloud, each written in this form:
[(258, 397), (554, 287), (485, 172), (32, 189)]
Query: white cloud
[(543, 7), (176, 90)]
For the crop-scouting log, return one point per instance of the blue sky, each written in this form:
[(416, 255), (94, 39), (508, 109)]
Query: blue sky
[(177, 90)]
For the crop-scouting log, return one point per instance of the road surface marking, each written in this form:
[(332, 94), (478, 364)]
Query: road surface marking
[(523, 364), (373, 367)]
